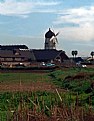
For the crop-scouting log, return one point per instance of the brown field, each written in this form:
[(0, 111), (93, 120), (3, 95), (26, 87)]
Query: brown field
[(34, 86)]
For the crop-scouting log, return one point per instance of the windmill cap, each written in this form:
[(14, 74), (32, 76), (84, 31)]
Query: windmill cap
[(49, 34)]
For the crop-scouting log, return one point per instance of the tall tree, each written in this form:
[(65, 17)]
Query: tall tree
[(73, 53), (92, 54)]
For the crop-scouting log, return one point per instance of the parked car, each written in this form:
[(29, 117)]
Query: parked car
[(84, 66), (50, 64)]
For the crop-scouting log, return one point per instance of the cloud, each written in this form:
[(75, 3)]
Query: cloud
[(76, 16), (80, 23), (24, 8), (77, 33)]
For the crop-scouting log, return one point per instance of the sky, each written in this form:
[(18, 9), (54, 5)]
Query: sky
[(27, 21)]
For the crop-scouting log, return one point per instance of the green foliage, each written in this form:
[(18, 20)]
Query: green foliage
[(23, 77), (77, 85), (46, 100), (81, 86)]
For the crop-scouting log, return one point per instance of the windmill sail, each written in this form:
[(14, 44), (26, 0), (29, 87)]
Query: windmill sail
[(54, 38), (57, 34)]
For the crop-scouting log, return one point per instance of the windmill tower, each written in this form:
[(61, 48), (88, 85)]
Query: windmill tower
[(50, 40)]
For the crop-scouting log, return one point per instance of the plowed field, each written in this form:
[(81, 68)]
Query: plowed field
[(34, 86)]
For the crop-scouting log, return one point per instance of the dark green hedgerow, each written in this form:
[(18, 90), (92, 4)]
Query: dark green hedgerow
[(81, 83)]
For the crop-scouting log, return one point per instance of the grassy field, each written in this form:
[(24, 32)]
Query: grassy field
[(24, 77), (62, 95)]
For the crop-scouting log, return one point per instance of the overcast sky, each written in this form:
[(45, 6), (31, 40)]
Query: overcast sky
[(27, 21)]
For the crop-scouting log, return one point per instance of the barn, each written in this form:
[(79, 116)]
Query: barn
[(12, 55), (21, 54)]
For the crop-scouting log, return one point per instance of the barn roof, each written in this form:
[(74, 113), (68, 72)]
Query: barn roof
[(34, 54), (77, 59), (17, 53), (45, 55), (12, 47)]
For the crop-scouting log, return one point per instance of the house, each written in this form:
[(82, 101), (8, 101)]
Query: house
[(77, 60), (28, 56), (50, 55), (13, 57)]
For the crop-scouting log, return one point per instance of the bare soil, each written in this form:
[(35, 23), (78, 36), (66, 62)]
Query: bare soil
[(34, 86)]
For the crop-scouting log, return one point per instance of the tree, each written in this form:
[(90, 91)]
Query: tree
[(92, 54), (74, 53)]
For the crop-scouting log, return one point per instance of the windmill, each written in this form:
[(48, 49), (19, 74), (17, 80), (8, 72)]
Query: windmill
[(53, 40)]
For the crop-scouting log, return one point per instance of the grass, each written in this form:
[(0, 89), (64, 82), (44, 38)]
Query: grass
[(41, 100), (40, 105), (29, 77), (24, 77), (71, 103), (11, 100), (79, 83)]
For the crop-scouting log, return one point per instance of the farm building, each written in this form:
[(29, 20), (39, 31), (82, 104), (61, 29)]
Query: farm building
[(28, 56), (16, 56), (50, 55), (20, 54)]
